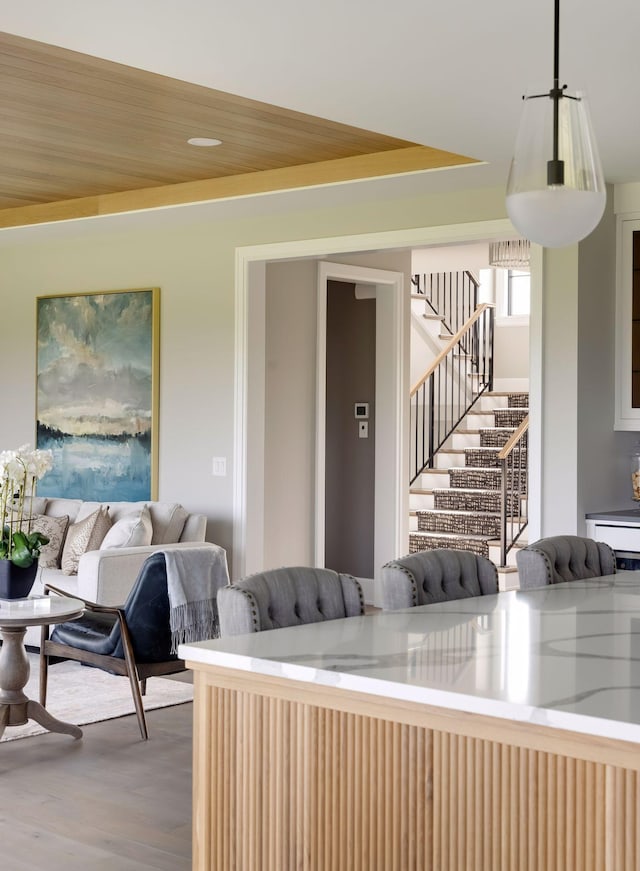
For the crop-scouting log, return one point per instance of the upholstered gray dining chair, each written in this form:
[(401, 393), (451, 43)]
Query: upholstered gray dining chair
[(563, 558), (436, 576), (287, 597)]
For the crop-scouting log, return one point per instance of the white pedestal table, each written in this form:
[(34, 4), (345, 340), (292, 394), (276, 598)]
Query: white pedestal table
[(15, 616)]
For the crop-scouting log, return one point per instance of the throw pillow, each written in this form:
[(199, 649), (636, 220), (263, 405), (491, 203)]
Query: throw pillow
[(132, 530), (54, 528), (83, 536)]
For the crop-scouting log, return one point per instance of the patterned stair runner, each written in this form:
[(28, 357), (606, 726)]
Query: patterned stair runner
[(466, 514)]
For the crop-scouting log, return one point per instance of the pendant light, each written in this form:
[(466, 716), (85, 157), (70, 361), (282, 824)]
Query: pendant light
[(555, 192), (511, 254)]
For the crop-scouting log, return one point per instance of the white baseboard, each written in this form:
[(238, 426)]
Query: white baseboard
[(513, 385)]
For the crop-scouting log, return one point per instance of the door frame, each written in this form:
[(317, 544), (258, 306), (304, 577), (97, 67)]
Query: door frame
[(248, 489), (391, 500)]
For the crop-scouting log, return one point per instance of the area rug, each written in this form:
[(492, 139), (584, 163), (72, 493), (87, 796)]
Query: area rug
[(81, 695)]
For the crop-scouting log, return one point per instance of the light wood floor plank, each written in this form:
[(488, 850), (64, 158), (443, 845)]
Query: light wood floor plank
[(109, 801)]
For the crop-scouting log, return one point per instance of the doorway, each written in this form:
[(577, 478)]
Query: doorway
[(349, 515)]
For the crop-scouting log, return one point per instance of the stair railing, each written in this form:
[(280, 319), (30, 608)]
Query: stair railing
[(450, 387), (514, 465), (452, 295)]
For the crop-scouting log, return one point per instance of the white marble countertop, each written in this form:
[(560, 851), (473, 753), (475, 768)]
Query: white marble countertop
[(565, 656)]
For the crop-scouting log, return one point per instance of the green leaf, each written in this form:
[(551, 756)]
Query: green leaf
[(21, 555)]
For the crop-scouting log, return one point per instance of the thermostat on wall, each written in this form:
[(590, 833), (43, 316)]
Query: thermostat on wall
[(361, 410)]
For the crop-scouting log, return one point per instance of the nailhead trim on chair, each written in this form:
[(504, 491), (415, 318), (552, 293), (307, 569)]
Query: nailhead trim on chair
[(254, 607), (358, 587), (405, 571), (547, 561)]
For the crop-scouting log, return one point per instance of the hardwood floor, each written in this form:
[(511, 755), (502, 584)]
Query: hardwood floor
[(108, 801)]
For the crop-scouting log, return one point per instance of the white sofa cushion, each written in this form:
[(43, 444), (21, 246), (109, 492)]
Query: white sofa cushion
[(167, 518), (132, 530)]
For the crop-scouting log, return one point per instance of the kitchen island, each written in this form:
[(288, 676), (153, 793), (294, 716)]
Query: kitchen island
[(498, 732)]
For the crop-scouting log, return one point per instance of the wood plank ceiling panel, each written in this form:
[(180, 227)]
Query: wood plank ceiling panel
[(74, 126)]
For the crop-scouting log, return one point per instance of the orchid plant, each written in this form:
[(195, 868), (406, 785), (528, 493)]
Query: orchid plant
[(19, 471)]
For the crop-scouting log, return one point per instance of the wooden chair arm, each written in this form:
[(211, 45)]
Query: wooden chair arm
[(88, 604)]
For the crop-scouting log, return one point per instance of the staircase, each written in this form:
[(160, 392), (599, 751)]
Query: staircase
[(459, 497), (457, 504)]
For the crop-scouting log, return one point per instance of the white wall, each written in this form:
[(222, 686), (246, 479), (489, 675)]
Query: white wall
[(451, 258), (290, 419), (585, 463), (290, 390), (194, 265), (511, 351)]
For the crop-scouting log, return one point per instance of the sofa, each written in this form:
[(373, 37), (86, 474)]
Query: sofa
[(105, 561)]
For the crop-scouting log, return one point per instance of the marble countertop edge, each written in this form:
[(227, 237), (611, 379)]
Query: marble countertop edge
[(508, 710)]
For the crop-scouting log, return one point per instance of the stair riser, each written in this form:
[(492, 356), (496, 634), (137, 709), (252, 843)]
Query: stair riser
[(430, 479), (445, 460), (480, 420), (481, 458), (488, 403), (420, 502), (484, 525), (478, 479), (509, 416), (460, 440), (497, 438), (417, 543), (454, 501)]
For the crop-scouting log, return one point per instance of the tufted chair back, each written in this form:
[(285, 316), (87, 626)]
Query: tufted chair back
[(287, 597), (563, 558), (436, 576)]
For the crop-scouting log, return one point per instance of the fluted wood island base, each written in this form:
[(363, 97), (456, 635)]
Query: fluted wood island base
[(294, 773)]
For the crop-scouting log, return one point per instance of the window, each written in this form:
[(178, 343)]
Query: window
[(518, 292)]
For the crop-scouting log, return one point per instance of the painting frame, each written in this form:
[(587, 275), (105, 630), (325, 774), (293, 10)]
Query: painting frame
[(97, 393)]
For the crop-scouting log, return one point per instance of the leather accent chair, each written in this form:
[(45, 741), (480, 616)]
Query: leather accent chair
[(287, 597), (438, 575), (563, 558), (132, 640)]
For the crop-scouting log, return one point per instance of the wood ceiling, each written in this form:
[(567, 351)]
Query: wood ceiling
[(81, 136)]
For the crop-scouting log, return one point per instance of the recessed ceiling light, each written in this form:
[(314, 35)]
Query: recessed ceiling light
[(204, 141)]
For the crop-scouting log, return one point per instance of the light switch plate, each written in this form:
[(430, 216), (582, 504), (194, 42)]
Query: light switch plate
[(219, 467)]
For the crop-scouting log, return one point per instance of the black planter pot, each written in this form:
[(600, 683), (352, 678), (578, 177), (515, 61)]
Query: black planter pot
[(16, 583)]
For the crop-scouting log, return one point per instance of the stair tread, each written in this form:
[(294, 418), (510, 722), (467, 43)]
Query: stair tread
[(471, 491), (453, 535), (475, 410), (493, 469), (458, 511), (483, 448)]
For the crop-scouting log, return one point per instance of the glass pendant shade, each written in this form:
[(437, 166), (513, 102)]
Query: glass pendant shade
[(555, 215)]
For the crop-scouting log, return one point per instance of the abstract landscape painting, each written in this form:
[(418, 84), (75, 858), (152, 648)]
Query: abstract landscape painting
[(97, 371)]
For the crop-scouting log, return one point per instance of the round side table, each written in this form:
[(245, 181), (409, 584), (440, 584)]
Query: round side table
[(15, 616)]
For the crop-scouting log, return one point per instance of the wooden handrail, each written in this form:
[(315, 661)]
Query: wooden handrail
[(513, 439), (454, 341)]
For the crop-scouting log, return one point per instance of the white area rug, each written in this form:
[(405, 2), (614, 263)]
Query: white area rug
[(81, 695)]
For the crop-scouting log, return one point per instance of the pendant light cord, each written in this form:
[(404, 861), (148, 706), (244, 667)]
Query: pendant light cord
[(555, 166)]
